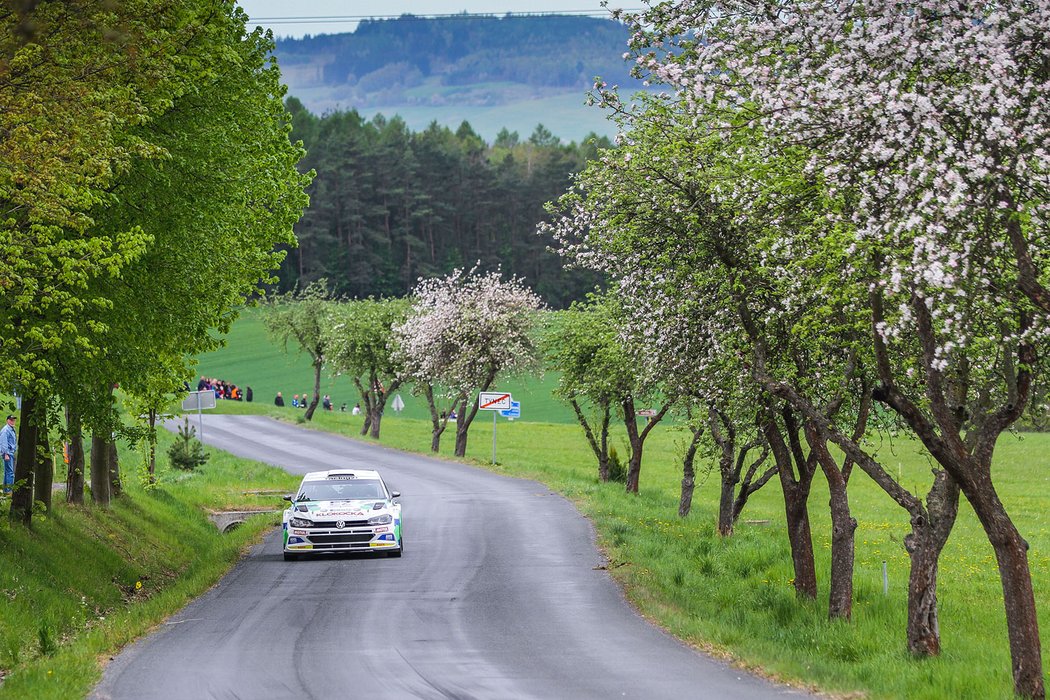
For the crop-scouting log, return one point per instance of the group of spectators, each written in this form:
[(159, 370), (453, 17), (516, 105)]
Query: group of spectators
[(224, 389), (304, 400)]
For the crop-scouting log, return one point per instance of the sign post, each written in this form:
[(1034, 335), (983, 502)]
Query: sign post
[(199, 400), (494, 401)]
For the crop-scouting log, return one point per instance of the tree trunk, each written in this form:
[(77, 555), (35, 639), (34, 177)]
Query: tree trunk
[(379, 405), (725, 503), (634, 460), (599, 444), (1011, 553), (116, 488), (151, 468), (100, 483), (461, 441), (636, 440), (462, 425), (843, 527), (465, 419), (437, 423), (685, 500), (796, 513), (728, 476), (318, 363), (25, 462), (376, 417), (44, 467), (929, 532), (75, 472), (801, 539), (843, 524)]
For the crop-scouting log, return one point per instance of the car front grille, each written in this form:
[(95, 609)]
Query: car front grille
[(342, 538), (346, 523)]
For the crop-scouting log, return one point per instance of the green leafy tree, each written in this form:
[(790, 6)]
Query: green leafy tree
[(360, 346), (139, 156), (302, 317), (598, 376)]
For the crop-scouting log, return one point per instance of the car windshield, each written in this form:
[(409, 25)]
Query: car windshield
[(351, 489)]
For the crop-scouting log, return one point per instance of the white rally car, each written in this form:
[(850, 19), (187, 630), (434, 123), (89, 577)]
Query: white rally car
[(342, 510)]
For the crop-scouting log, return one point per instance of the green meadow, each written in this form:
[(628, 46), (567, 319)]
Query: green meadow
[(733, 597), (250, 358)]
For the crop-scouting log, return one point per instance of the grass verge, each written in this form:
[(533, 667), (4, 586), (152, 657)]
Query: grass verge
[(85, 581)]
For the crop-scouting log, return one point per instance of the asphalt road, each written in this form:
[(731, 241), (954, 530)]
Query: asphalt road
[(499, 595)]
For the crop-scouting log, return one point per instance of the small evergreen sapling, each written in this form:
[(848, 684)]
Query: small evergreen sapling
[(187, 452)]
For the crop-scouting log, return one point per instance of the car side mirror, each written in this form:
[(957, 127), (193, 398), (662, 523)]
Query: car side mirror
[(395, 494), (287, 497)]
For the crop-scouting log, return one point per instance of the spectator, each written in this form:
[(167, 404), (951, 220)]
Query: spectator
[(295, 400), (327, 403), (342, 408), (278, 400), (8, 446), (248, 394), (357, 409)]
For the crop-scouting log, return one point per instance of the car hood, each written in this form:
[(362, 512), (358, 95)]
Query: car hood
[(342, 509)]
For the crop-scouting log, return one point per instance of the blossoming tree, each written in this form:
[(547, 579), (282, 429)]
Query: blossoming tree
[(926, 125), (462, 332)]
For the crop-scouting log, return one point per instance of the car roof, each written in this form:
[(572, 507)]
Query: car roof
[(346, 473)]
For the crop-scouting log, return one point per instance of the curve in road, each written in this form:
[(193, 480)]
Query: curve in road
[(500, 594)]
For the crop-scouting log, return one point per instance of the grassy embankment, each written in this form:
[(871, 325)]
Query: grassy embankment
[(734, 596), (84, 581)]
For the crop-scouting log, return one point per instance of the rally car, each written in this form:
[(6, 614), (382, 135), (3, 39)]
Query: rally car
[(342, 510)]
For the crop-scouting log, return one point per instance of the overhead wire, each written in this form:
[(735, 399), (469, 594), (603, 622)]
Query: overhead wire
[(337, 19)]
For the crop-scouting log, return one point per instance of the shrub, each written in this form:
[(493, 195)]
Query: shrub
[(187, 452), (617, 469)]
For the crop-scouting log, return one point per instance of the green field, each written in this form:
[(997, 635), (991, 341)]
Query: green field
[(251, 359), (734, 596)]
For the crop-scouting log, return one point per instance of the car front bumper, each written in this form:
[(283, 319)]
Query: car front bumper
[(351, 539)]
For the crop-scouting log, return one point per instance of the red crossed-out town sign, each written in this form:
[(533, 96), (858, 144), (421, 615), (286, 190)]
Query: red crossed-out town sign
[(494, 401)]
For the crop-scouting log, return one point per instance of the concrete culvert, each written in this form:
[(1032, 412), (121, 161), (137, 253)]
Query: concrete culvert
[(230, 527), (227, 521)]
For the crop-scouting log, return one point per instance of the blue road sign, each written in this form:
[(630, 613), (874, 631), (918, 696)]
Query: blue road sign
[(513, 412)]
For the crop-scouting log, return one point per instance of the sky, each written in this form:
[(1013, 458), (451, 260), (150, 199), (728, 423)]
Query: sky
[(294, 18)]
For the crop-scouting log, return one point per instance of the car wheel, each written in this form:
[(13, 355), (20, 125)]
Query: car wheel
[(400, 549), (288, 556)]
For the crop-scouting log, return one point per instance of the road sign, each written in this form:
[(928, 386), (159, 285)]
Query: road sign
[(513, 412), (494, 401), (196, 400), (398, 404), (645, 413)]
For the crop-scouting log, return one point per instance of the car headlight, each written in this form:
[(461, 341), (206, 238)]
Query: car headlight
[(300, 522), (381, 519)]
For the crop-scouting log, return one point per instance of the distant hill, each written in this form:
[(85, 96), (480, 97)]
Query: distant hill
[(494, 72)]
